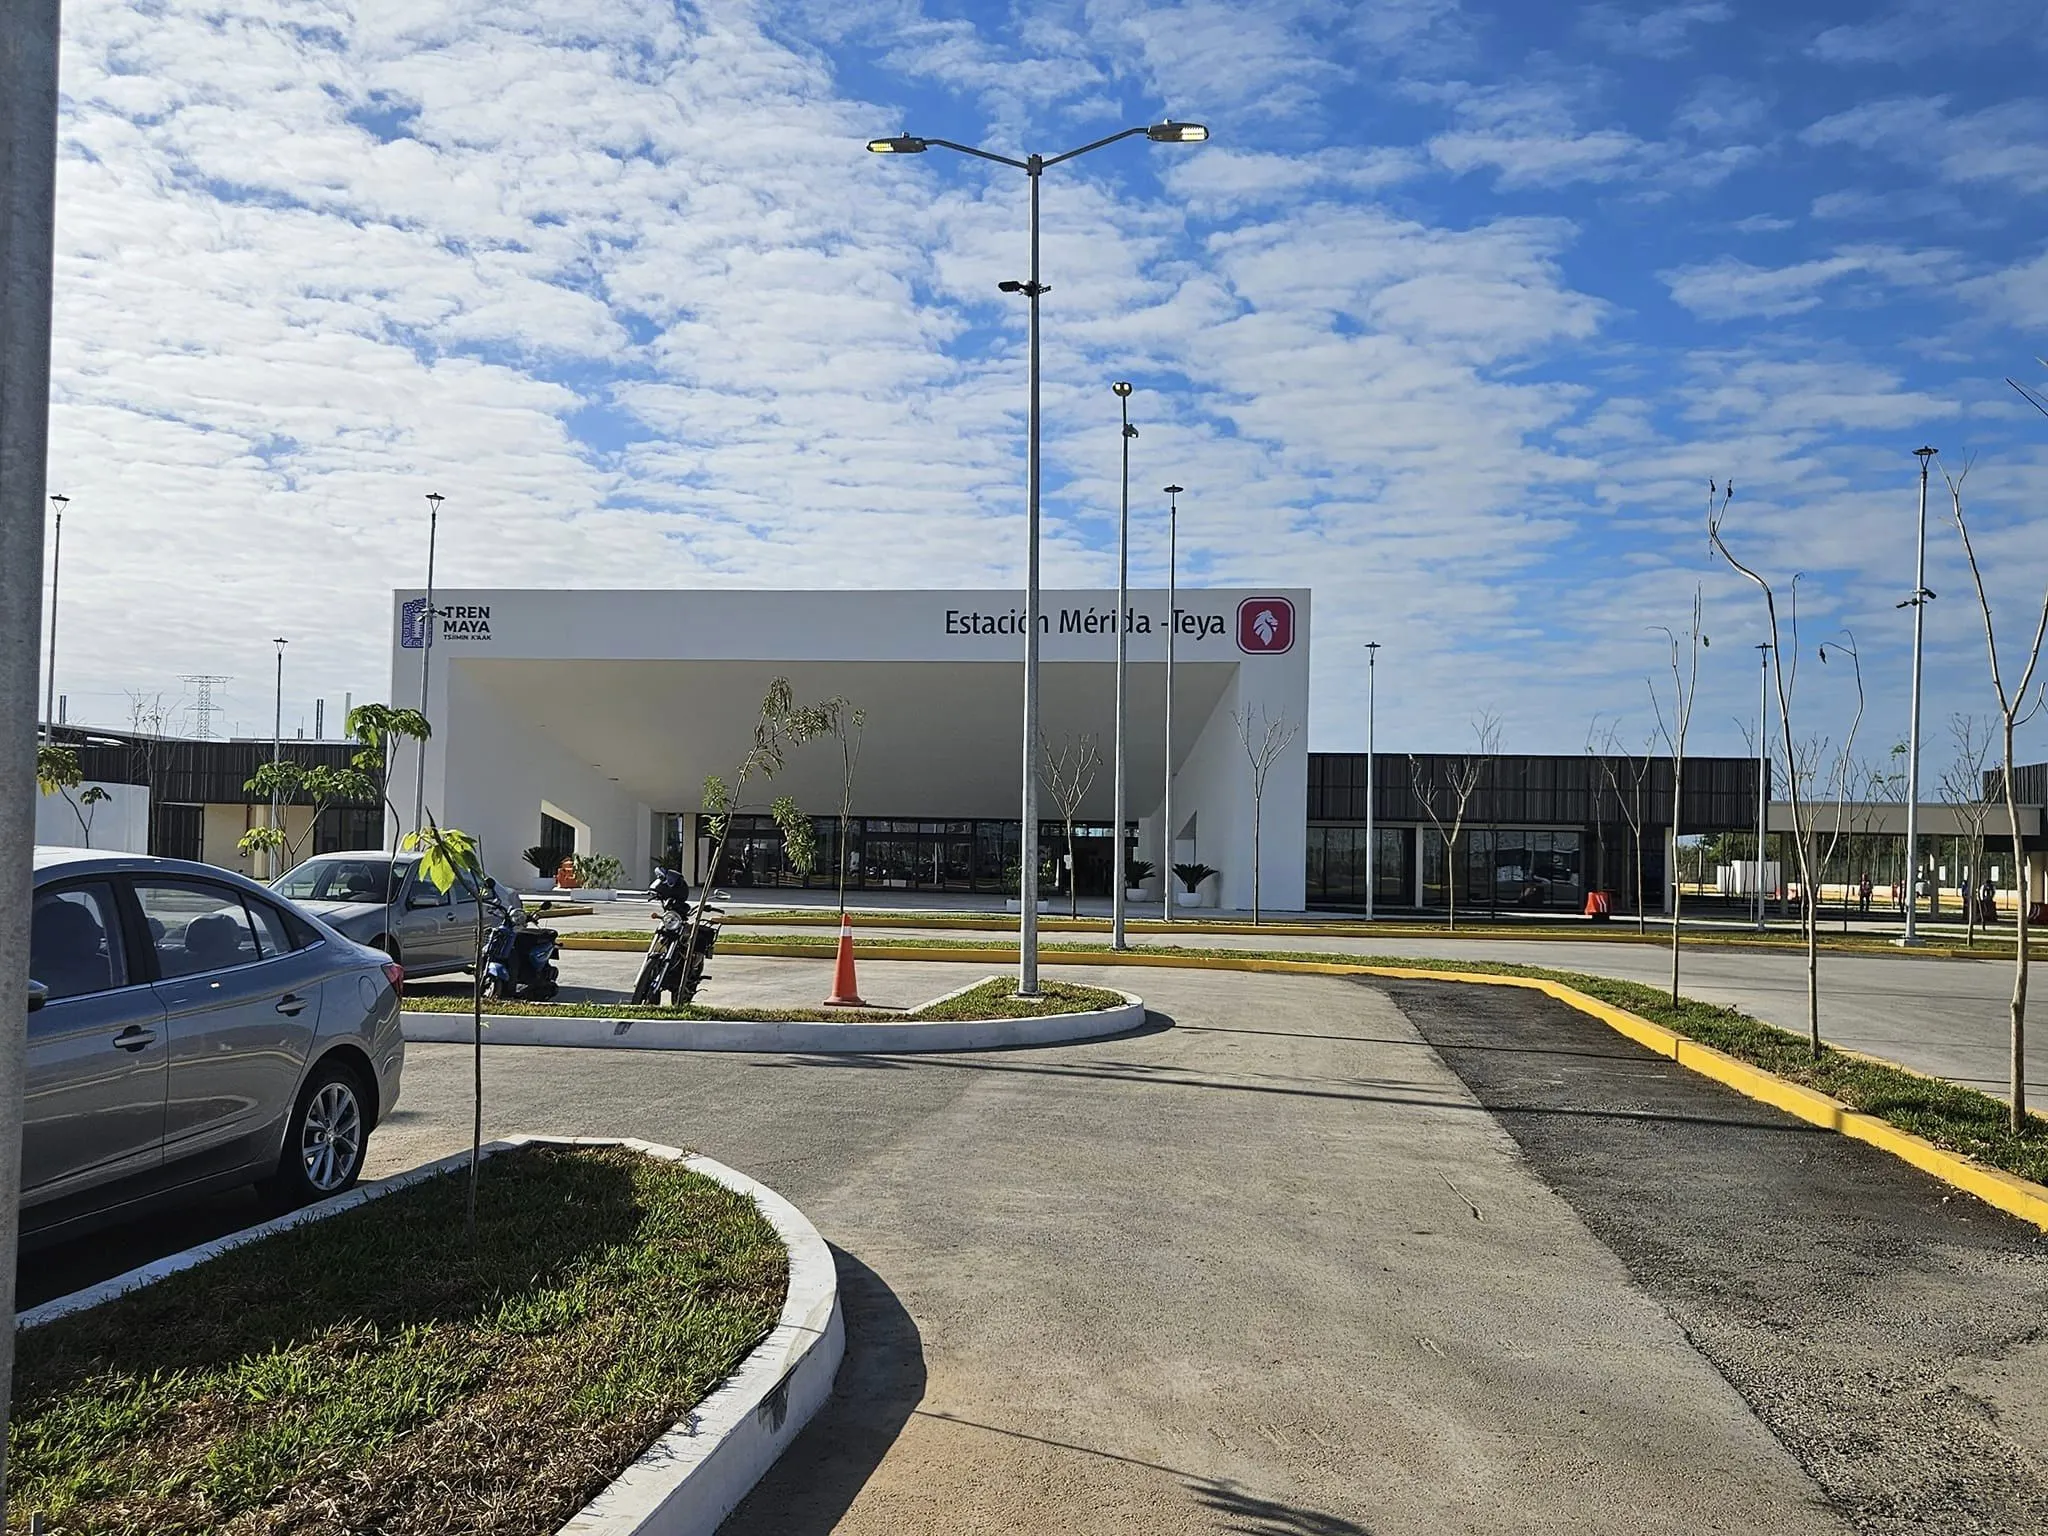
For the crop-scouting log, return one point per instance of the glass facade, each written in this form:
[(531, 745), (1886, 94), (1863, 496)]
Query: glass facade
[(1337, 866), (1526, 867), (890, 853)]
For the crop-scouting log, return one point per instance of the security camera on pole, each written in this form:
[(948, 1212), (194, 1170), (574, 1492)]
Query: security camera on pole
[(1031, 288)]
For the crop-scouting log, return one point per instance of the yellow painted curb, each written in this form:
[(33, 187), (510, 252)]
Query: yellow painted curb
[(2015, 1196)]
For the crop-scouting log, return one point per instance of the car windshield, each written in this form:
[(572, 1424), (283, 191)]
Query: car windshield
[(357, 880)]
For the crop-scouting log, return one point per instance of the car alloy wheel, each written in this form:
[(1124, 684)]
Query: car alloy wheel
[(331, 1138)]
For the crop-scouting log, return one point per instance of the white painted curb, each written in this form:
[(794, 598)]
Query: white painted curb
[(690, 1479), (817, 1038)]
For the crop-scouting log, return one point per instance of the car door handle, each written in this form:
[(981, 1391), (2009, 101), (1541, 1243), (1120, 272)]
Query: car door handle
[(134, 1038), (290, 1004)]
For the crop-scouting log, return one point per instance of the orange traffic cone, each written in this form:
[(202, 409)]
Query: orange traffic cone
[(845, 990)]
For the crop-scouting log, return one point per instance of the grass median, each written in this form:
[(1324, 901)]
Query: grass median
[(1956, 1118), (380, 1370), (993, 999)]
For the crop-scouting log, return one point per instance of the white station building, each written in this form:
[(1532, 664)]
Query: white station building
[(587, 722)]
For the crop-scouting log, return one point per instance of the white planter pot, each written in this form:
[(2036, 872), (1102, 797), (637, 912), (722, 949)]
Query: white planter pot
[(1016, 904), (584, 893), (1135, 893), (1187, 898)]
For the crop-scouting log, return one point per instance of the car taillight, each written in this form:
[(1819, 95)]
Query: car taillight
[(395, 974)]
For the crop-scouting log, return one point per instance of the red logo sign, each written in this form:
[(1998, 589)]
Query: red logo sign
[(1265, 626)]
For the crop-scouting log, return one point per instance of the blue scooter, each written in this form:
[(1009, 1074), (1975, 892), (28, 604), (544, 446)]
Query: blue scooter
[(519, 959)]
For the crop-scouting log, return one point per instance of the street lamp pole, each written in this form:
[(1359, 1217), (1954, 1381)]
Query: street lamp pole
[(1918, 603), (277, 749), (1372, 847), (1763, 768), (1034, 167), (56, 559), (1117, 937), (1173, 493), (427, 628)]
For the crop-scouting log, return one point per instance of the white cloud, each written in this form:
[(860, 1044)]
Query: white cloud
[(1662, 33), (2003, 143), (1526, 133), (1729, 288)]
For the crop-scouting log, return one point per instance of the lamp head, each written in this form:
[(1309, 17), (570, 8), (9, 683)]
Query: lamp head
[(1924, 454), (1122, 387), (1177, 133), (1175, 490), (434, 500), (902, 144), (1009, 285), (60, 502)]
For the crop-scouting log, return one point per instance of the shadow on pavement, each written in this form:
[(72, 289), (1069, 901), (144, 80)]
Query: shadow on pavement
[(881, 1382), (1250, 1515), (1148, 1074)]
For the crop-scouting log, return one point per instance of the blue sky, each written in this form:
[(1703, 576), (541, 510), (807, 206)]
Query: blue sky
[(1452, 321)]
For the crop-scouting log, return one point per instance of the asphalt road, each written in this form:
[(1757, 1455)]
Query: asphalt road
[(1274, 1267), (1944, 1017)]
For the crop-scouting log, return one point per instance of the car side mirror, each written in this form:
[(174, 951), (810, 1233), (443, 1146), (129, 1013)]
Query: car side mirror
[(38, 994)]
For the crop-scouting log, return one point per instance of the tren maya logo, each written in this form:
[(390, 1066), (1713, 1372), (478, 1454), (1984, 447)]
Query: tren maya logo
[(1265, 626), (459, 621)]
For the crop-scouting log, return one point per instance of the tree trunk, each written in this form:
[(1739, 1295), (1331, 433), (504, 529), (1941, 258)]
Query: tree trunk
[(476, 1124), (1073, 876), (2019, 965), (1451, 877), (1255, 861), (1812, 969)]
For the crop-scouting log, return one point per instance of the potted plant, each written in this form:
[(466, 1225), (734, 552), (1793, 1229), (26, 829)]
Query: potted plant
[(565, 873), (1136, 873), (1013, 877), (597, 875), (1191, 878), (541, 859)]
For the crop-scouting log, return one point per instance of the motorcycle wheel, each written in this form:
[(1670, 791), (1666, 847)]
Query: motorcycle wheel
[(646, 990)]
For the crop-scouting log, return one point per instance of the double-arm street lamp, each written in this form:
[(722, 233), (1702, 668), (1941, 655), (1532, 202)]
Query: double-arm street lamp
[(1033, 166)]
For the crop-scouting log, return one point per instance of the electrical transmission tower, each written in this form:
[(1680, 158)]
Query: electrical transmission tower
[(203, 707)]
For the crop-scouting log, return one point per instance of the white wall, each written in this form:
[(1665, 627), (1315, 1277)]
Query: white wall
[(500, 770), (120, 823)]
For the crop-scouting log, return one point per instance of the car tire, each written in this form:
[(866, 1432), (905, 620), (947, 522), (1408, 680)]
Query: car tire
[(325, 1140)]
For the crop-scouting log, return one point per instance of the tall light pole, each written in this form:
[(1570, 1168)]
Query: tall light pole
[(28, 196), (277, 749), (1372, 847), (56, 559), (1033, 166), (1763, 767), (1117, 938), (427, 628), (1173, 494), (1918, 603)]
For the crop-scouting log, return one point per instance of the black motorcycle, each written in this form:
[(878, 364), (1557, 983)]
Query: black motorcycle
[(674, 965)]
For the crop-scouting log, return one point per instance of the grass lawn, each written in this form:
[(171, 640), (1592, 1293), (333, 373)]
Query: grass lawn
[(994, 999), (380, 1371)]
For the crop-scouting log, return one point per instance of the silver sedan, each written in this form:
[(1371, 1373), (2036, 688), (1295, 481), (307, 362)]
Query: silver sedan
[(386, 903), (189, 1031)]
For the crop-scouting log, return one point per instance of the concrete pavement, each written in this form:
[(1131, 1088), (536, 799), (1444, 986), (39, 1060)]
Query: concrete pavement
[(1944, 1017), (1274, 1266)]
